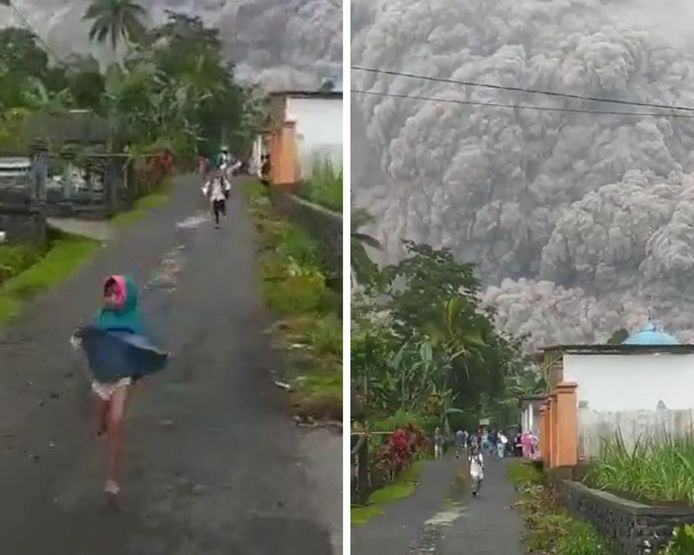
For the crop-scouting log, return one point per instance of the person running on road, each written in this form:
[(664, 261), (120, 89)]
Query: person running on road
[(217, 189), (476, 470), (120, 312)]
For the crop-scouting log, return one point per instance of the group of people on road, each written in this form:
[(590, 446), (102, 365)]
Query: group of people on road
[(492, 442)]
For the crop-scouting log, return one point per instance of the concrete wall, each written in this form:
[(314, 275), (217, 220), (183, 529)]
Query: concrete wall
[(635, 396), (631, 382), (628, 527), (594, 427), (318, 130)]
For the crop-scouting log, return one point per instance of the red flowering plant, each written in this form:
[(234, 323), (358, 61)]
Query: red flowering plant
[(400, 450)]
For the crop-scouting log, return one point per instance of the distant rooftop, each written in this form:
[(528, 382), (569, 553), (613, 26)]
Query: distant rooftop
[(650, 335), (309, 94)]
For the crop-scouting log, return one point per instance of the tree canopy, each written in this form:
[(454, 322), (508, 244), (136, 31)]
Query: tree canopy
[(173, 86)]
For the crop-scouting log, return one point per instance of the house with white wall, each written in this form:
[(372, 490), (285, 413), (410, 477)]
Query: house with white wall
[(637, 390), (317, 119), (530, 414)]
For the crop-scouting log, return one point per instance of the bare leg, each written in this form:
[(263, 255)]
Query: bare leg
[(102, 407), (115, 439)]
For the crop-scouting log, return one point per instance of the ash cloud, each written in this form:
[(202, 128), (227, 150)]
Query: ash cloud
[(579, 223), (279, 43)]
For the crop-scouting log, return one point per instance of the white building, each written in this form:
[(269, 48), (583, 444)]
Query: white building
[(318, 119), (530, 414), (640, 389)]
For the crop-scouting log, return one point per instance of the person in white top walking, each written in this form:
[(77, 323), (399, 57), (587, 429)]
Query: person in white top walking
[(501, 442), (476, 470), (217, 189)]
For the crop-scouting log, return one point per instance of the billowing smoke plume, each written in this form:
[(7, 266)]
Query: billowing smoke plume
[(281, 43), (580, 223)]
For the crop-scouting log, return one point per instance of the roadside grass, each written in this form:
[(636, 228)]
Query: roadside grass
[(653, 470), (402, 487), (296, 289), (49, 267), (142, 205), (550, 530), (324, 187)]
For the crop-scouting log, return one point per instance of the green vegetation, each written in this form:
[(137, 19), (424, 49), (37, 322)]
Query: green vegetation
[(550, 530), (423, 345), (295, 285), (325, 185), (169, 86), (49, 267), (142, 205), (652, 471), (682, 541), (403, 486), (425, 352)]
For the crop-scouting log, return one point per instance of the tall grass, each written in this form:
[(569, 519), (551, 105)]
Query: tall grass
[(325, 185), (656, 470)]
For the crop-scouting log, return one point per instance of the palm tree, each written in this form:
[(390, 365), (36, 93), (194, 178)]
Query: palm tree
[(363, 267), (117, 19)]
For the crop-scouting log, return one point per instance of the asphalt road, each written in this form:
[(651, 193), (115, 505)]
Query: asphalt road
[(213, 463), (441, 517)]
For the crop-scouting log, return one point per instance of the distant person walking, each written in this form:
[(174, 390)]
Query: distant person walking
[(438, 443), (501, 443), (476, 462), (460, 442), (526, 445)]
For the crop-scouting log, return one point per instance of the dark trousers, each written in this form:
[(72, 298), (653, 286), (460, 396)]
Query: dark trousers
[(218, 207)]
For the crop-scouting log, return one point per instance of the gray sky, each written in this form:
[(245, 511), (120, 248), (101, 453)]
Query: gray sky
[(283, 43)]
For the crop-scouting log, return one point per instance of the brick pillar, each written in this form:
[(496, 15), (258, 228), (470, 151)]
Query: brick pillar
[(286, 162), (274, 147), (567, 424), (542, 431), (553, 431)]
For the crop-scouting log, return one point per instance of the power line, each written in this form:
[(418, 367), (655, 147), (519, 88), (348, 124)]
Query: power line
[(29, 26), (521, 89), (525, 107)]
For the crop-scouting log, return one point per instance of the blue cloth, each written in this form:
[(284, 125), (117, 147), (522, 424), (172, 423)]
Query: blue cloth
[(117, 345), (113, 355)]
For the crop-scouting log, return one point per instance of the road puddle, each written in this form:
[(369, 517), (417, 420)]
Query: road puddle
[(192, 222), (166, 274)]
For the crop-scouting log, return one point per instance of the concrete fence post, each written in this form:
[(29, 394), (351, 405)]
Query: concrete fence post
[(567, 424)]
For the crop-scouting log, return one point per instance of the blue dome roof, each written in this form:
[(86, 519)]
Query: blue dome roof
[(649, 335)]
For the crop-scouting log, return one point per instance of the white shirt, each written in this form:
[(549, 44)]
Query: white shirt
[(477, 466), (215, 188)]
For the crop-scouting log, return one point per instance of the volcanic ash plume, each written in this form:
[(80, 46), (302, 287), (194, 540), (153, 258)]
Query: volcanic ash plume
[(281, 43), (579, 223)]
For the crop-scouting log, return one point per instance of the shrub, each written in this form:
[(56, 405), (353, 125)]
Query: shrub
[(400, 450), (326, 336), (14, 259), (296, 293), (293, 243), (682, 542), (661, 470), (325, 185)]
